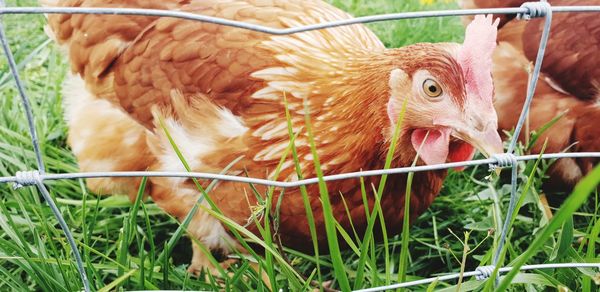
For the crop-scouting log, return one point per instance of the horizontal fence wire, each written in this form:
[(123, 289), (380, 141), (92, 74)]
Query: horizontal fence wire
[(526, 11), (477, 273), (22, 177), (284, 31)]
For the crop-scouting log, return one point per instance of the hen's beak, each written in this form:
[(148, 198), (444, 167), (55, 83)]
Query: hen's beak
[(488, 142), (479, 127)]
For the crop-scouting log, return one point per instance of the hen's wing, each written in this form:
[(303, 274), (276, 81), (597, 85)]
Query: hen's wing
[(571, 54), (146, 58), (95, 41)]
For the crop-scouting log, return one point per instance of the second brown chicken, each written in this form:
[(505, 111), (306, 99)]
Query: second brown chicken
[(569, 84)]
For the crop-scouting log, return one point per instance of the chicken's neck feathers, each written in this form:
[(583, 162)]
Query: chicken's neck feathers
[(356, 110)]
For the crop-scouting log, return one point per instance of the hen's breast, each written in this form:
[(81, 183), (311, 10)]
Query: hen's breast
[(348, 208)]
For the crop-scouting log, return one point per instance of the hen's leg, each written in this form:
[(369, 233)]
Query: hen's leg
[(104, 138), (194, 129), (177, 199), (200, 261)]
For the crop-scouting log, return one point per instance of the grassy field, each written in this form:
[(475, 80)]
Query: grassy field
[(122, 244)]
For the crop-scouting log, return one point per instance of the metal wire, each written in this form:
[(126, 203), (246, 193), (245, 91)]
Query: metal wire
[(532, 9), (309, 181), (538, 10), (33, 178), (24, 99), (283, 31), (479, 273)]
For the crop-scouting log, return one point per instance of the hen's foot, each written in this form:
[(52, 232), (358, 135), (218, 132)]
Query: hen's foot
[(201, 262)]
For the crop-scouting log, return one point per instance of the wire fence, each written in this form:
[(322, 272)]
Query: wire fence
[(526, 11)]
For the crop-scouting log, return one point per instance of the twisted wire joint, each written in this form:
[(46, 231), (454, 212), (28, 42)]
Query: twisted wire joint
[(485, 272), (26, 178), (534, 10), (503, 160)]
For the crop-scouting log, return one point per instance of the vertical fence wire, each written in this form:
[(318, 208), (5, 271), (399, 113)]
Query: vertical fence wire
[(34, 176), (536, 9), (21, 89), (528, 10), (29, 178)]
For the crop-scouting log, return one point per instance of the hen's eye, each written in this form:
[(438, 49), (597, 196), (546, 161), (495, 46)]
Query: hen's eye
[(432, 88)]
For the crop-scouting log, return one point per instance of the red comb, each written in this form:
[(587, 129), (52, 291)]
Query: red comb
[(475, 56)]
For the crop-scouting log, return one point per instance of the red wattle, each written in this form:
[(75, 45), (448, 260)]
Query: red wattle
[(460, 151)]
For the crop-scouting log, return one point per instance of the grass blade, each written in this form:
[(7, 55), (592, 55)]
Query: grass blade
[(371, 222), (304, 193), (591, 253), (117, 282), (332, 238), (575, 200)]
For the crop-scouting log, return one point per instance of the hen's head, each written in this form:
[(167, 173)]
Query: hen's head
[(449, 93)]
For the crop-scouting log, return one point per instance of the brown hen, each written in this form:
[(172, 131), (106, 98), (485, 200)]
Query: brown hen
[(219, 92), (569, 83)]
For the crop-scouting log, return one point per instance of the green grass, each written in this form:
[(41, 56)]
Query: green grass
[(125, 245)]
